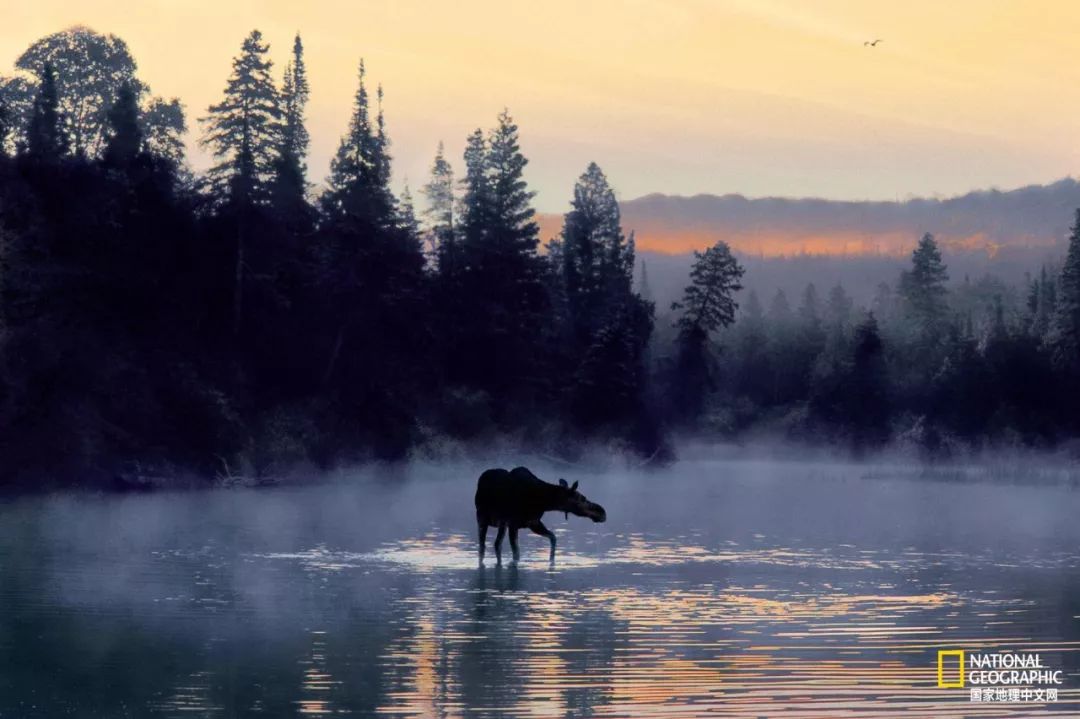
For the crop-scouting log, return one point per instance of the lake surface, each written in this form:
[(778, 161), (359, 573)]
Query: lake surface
[(719, 589)]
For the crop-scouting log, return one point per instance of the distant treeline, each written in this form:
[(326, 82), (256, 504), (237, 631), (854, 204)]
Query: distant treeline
[(157, 322)]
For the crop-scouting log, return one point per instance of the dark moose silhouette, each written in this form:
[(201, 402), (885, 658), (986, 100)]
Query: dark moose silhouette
[(518, 498)]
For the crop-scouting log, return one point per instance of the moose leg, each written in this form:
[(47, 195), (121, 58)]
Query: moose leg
[(514, 544), (498, 543), (538, 527), (483, 538)]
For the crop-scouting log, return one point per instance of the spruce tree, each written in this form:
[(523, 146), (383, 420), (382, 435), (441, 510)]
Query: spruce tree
[(439, 193), (838, 309), (597, 260), (406, 216), (922, 288), (867, 399), (124, 134), (359, 182), (45, 138), (1065, 337), (243, 131), (371, 261), (290, 170), (608, 325), (708, 304), (512, 226), (294, 96), (476, 198), (496, 340), (644, 288)]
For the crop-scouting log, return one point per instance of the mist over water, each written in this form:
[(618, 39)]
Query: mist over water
[(733, 587)]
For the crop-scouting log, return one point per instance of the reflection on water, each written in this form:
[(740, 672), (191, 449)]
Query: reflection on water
[(706, 599)]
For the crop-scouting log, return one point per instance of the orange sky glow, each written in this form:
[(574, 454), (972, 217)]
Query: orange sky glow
[(760, 97)]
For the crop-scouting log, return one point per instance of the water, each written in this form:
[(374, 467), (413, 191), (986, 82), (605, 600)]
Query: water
[(721, 589)]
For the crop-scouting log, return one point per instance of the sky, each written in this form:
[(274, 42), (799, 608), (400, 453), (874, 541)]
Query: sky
[(759, 97)]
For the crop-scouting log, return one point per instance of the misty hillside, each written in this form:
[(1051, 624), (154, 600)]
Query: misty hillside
[(992, 220), (783, 242)]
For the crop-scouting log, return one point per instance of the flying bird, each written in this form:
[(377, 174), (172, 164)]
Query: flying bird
[(872, 44)]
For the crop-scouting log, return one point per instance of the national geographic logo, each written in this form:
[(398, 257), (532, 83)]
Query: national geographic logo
[(998, 677), (949, 654)]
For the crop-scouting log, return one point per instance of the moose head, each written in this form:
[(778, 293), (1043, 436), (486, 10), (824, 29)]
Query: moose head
[(574, 502)]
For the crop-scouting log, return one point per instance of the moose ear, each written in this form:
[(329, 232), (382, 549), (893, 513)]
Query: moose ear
[(573, 487), (562, 482)]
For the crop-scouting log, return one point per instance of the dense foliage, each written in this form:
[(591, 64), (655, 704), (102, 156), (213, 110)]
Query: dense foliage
[(156, 322)]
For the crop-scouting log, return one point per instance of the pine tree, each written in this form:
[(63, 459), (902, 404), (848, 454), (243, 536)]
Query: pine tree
[(295, 93), (359, 178), (922, 288), (45, 138), (868, 402), (644, 288), (809, 310), (243, 131), (708, 304), (1065, 337), (512, 227), (406, 216), (1043, 304), (439, 193), (502, 296), (838, 309), (597, 260), (124, 135), (608, 325), (290, 170), (476, 198)]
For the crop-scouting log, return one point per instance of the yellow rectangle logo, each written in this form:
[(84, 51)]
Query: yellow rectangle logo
[(942, 653)]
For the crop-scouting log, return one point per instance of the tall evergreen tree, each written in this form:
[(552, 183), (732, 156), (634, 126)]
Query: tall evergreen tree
[(598, 262), (609, 325), (497, 343), (922, 288), (45, 138), (708, 304), (868, 403), (243, 131), (294, 95), (476, 197), (290, 170), (1042, 304), (1065, 337), (406, 217), (439, 193), (125, 139), (359, 184), (369, 278)]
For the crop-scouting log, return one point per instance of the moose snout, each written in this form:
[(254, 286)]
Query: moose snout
[(597, 513)]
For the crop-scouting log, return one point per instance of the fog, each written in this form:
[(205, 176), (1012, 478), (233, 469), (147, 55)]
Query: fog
[(218, 601)]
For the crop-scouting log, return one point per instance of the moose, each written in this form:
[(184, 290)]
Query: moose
[(518, 498)]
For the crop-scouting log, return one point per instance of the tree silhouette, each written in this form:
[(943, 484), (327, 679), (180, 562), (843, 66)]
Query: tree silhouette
[(243, 130), (45, 137)]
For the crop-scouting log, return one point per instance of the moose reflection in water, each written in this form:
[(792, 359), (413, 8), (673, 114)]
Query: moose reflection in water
[(518, 498)]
